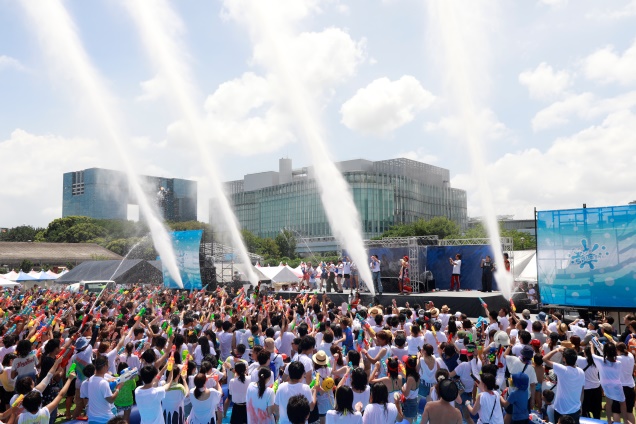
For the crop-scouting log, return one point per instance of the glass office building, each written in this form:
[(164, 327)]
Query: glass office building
[(105, 194), (386, 193)]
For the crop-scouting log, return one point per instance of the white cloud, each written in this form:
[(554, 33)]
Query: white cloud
[(490, 126), (626, 11), (384, 105), (597, 164), (419, 155), (7, 62), (554, 3), (583, 106), (243, 114), (31, 189), (544, 82), (607, 66), (152, 89)]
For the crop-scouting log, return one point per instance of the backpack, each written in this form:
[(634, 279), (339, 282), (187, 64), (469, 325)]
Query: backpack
[(272, 366)]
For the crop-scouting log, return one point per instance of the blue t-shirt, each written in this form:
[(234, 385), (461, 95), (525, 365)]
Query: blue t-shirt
[(348, 338), (519, 401)]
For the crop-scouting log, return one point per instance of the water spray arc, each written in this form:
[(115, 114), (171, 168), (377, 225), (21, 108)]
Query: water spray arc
[(458, 63), (160, 27), (57, 33), (270, 32)]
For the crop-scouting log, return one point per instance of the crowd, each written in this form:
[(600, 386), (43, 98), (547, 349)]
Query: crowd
[(200, 357)]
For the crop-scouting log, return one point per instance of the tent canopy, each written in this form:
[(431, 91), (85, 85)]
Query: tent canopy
[(279, 274), (525, 265), (23, 276), (122, 272)]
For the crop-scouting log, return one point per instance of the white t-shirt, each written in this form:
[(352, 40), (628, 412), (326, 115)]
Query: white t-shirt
[(285, 343), (99, 409), (257, 406), (132, 361), (515, 366), (463, 370), (225, 342), (26, 365), (362, 397), (457, 266), (414, 344), (84, 390), (238, 389), (149, 404), (5, 351), (627, 370), (307, 362), (334, 417), (40, 417), (592, 379), (374, 413), (504, 323), (285, 392), (567, 399)]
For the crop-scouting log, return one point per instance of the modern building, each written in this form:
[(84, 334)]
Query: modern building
[(106, 194), (386, 193)]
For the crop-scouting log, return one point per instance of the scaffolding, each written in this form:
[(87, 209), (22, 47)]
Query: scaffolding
[(506, 242), (224, 258)]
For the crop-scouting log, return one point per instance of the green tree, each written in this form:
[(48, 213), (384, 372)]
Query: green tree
[(20, 233), (26, 265), (438, 226), (58, 229), (286, 242), (269, 248), (252, 242)]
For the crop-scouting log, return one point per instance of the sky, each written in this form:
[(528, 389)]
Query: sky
[(555, 79)]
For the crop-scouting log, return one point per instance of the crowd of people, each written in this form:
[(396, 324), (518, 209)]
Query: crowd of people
[(199, 357)]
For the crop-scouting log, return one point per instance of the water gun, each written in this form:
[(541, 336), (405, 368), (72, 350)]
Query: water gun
[(71, 369), (56, 318), (384, 367), (598, 345), (169, 331), (276, 384), (126, 375), (164, 325), (139, 345), (141, 312), (67, 357), (184, 355), (184, 370), (171, 359), (402, 369), (314, 381), (513, 308), (10, 330), (484, 304), (18, 401), (121, 350), (367, 327), (360, 339)]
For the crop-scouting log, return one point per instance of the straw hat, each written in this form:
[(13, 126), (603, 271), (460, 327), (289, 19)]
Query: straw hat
[(445, 309), (567, 344), (434, 312), (374, 311), (320, 358)]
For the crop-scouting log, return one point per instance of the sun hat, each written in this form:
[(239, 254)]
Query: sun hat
[(541, 316), (445, 308), (434, 312), (81, 343), (526, 352), (320, 358)]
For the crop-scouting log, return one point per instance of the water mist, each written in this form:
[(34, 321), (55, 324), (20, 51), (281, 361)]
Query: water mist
[(271, 32), (160, 30), (449, 21), (57, 33)]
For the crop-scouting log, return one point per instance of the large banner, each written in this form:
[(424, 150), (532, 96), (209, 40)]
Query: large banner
[(587, 257), (186, 249)]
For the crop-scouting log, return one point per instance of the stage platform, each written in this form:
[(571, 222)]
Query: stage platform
[(466, 302)]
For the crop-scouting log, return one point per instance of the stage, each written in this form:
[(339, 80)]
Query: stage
[(466, 302)]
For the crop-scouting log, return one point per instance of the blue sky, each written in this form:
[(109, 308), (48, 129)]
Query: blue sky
[(556, 82)]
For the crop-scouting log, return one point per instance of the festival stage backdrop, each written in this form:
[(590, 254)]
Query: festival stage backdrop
[(186, 249), (438, 264), (587, 257)]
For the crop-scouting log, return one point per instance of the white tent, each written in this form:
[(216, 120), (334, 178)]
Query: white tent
[(298, 272), (279, 274), (11, 275), (525, 265)]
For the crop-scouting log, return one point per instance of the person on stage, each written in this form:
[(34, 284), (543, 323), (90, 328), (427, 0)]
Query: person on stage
[(403, 277), (375, 270), (487, 269), (457, 266)]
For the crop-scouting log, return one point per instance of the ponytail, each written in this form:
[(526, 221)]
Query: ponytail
[(264, 375), (199, 383)]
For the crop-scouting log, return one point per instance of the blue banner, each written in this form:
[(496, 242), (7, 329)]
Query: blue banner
[(587, 257), (186, 249)]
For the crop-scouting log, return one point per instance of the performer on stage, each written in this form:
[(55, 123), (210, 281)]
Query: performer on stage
[(457, 267), (403, 277), (375, 270), (487, 268)]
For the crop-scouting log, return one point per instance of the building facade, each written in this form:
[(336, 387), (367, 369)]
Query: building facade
[(386, 193), (105, 194)]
